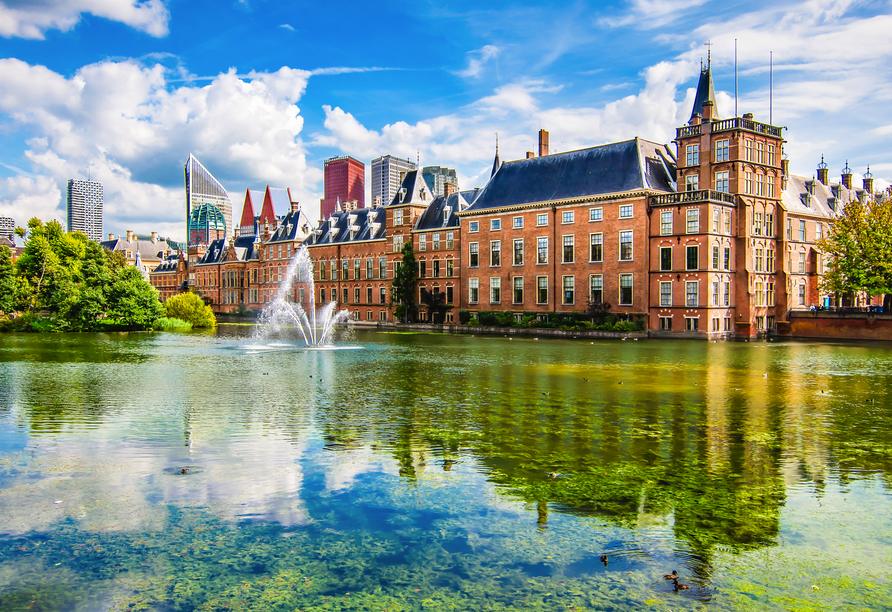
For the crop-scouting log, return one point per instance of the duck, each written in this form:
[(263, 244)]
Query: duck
[(553, 474), (672, 576), (680, 587), (184, 471), (603, 559)]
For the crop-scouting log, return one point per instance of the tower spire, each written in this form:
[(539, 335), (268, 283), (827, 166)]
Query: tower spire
[(496, 163)]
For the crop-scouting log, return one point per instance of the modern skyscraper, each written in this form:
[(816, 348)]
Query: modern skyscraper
[(438, 177), (344, 180), (386, 175), (7, 226), (85, 208), (208, 207)]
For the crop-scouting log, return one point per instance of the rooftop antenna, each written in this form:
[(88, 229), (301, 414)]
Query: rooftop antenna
[(771, 87), (735, 78)]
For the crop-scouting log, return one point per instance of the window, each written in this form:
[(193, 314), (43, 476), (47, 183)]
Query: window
[(435, 239), (449, 268), (450, 294), (665, 259), (760, 260), (625, 289), (541, 289), (569, 289), (596, 288), (542, 219), (692, 155), (542, 249), (665, 293), (346, 295), (801, 263), (595, 214), (727, 258), (769, 224), (760, 293), (801, 231), (357, 268), (625, 211), (356, 295), (666, 323), (398, 217), (769, 260), (760, 185), (757, 224), (760, 152), (517, 258), (495, 224), (716, 257), (517, 222), (495, 253), (692, 220), (691, 324), (665, 222), (769, 295), (727, 221), (692, 182), (422, 242), (517, 295), (334, 270), (727, 296), (449, 240), (474, 252), (716, 220), (474, 226), (473, 290), (495, 290), (422, 268), (322, 296), (789, 229), (722, 150), (692, 258), (748, 183), (569, 249), (748, 150), (722, 182), (397, 244), (382, 268), (691, 293), (715, 296), (802, 295), (436, 268), (368, 295), (568, 216), (625, 246), (345, 269), (771, 160), (369, 268), (769, 191)]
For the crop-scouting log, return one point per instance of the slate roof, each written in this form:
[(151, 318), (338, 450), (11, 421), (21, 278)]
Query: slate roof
[(295, 226), (825, 201), (705, 91), (607, 169), (169, 264), (413, 190), (442, 212), (366, 224), (215, 253), (148, 250)]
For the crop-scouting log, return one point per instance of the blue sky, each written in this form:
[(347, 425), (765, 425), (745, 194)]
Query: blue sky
[(262, 91)]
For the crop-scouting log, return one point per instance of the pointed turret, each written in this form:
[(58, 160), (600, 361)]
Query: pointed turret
[(496, 163), (705, 92), (268, 212), (246, 225)]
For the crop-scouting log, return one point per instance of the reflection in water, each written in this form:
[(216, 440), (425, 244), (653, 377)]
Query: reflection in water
[(468, 468)]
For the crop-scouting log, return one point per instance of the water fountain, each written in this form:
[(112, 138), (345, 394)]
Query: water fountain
[(316, 326)]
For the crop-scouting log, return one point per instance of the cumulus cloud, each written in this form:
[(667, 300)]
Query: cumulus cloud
[(30, 19), (127, 127)]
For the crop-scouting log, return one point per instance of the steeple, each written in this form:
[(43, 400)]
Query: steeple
[(705, 91), (496, 164)]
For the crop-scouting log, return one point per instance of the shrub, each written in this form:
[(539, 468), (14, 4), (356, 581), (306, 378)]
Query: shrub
[(171, 324), (464, 317), (190, 307), (504, 319)]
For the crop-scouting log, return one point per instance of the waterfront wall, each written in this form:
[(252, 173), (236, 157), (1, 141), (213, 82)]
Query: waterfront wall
[(842, 325), (501, 331)]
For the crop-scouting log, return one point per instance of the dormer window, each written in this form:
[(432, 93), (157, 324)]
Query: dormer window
[(446, 212), (402, 193)]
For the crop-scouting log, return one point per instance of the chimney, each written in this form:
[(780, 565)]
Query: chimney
[(448, 189), (111, 236), (129, 235), (154, 237), (530, 155), (847, 176), (543, 143), (868, 181), (402, 176), (707, 110), (823, 172), (295, 206)]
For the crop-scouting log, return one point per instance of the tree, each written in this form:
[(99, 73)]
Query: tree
[(402, 290), (190, 307), (8, 281), (132, 301), (436, 304)]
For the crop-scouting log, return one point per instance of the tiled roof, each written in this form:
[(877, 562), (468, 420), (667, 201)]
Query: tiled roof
[(607, 169)]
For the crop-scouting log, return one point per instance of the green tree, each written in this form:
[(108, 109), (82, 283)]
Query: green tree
[(8, 282), (132, 301), (402, 290), (190, 307)]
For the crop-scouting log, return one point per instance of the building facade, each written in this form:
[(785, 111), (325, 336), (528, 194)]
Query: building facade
[(344, 181), (7, 227), (84, 208), (440, 181), (387, 174), (208, 207)]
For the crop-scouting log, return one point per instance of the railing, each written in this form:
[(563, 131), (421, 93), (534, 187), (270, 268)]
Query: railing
[(738, 123), (688, 131), (689, 197)]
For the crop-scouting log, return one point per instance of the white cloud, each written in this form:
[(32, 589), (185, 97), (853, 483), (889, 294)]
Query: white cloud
[(124, 124), (477, 59), (651, 14), (287, 26), (30, 19)]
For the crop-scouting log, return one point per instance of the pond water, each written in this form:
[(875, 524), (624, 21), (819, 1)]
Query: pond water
[(190, 471)]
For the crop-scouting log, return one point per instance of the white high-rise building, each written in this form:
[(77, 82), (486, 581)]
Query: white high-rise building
[(386, 172), (85, 208), (7, 226)]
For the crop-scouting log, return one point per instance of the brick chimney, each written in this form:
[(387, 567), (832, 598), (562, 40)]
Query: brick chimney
[(129, 235), (543, 143), (295, 206), (823, 172), (448, 189), (154, 237), (868, 181), (111, 236), (847, 176), (530, 155), (707, 110)]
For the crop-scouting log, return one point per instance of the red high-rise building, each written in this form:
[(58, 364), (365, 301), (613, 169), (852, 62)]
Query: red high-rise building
[(344, 180)]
